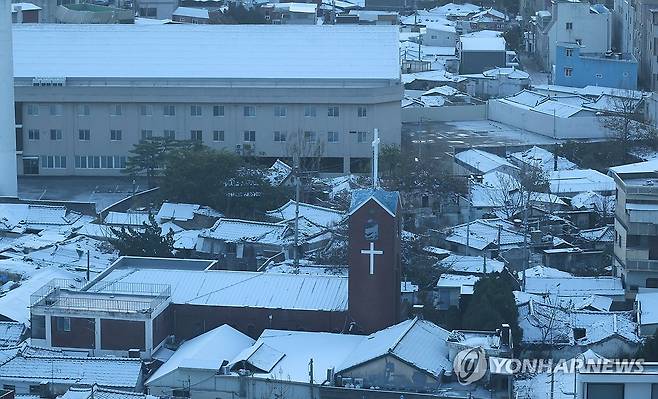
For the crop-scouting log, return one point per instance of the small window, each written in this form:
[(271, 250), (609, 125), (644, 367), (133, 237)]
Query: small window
[(146, 110), (196, 135), (64, 324), (280, 111), (84, 134), (333, 111), (361, 137), (116, 110), (250, 135), (218, 135), (362, 111), (332, 137), (218, 110), (147, 134), (569, 52), (309, 111), (579, 42), (249, 110), (195, 110), (115, 135), (33, 109), (169, 110), (599, 76), (170, 134), (56, 134), (33, 134), (56, 109), (568, 72), (83, 110), (579, 333), (309, 136), (280, 136), (569, 25)]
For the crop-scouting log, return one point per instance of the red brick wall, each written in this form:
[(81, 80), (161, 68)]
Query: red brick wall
[(122, 334), (374, 299), (193, 320)]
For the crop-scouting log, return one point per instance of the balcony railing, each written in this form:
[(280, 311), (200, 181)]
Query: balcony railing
[(642, 265), (113, 297)]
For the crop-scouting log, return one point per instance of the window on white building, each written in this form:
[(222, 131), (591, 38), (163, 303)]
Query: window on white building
[(250, 135), (280, 111), (115, 135), (146, 110), (56, 134), (218, 135), (33, 134), (309, 111), (169, 110), (84, 134), (332, 137), (280, 136), (249, 110), (218, 110), (333, 111), (196, 135), (569, 25), (195, 110)]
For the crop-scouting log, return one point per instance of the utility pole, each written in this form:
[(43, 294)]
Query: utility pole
[(88, 266), (375, 159), (310, 377), (554, 138), (297, 195)]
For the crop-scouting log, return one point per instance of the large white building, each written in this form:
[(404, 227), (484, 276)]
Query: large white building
[(636, 25), (86, 94)]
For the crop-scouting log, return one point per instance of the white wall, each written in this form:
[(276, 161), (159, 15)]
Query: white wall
[(439, 38), (584, 127)]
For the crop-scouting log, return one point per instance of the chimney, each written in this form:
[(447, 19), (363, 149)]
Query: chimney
[(8, 182)]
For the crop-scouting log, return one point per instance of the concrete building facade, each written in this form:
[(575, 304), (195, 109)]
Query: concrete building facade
[(572, 22), (636, 32), (84, 120), (576, 67), (636, 225)]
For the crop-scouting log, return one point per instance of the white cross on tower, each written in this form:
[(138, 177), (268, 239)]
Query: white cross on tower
[(372, 252)]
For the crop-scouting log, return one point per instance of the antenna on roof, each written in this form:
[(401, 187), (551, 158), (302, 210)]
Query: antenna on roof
[(375, 159)]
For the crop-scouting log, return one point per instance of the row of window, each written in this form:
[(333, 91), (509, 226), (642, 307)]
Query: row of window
[(195, 110), (197, 135), (100, 162)]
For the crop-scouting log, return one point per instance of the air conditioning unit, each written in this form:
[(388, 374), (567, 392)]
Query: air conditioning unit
[(133, 353)]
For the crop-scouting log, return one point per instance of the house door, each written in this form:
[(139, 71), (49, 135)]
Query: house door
[(31, 166)]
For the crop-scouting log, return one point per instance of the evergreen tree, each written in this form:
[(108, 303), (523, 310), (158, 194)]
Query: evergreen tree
[(145, 241)]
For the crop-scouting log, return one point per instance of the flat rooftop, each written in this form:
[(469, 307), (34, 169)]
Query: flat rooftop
[(206, 51)]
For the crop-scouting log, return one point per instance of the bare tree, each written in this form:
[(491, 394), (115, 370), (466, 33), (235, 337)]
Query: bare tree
[(624, 120), (515, 194)]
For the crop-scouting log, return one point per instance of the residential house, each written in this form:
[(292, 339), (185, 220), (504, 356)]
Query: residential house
[(497, 82), (478, 162), (563, 333), (597, 382), (646, 308), (439, 34), (290, 13), (26, 373), (478, 54), (576, 66), (571, 22), (25, 13), (542, 159), (568, 183), (192, 15), (575, 287), (187, 216), (636, 224), (484, 237), (452, 288)]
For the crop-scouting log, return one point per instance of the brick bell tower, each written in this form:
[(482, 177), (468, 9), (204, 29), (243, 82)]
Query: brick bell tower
[(374, 255)]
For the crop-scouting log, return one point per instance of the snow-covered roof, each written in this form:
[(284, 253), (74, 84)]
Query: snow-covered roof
[(281, 354), (15, 304), (126, 219), (465, 283), (18, 217), (647, 307), (304, 8), (441, 90), (599, 234), (483, 161), (236, 230), (114, 372), (495, 43), (484, 232), (96, 392), (389, 200), (542, 159), (278, 173), (176, 211), (488, 13), (471, 264), (237, 288), (579, 181), (545, 271), (456, 10), (205, 352), (637, 168), (206, 51), (191, 12), (318, 215), (416, 342), (11, 333), (24, 7), (574, 286), (593, 201), (543, 324)]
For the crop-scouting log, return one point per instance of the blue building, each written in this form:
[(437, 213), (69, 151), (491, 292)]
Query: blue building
[(576, 68)]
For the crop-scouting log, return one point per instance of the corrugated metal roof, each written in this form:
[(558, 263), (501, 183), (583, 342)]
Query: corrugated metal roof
[(243, 289)]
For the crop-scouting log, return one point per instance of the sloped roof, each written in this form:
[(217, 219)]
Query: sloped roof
[(318, 215), (416, 342), (471, 264), (126, 218), (104, 371), (237, 230), (543, 159), (177, 211), (484, 232), (11, 333), (96, 392), (574, 286), (206, 352), (579, 181), (483, 161), (389, 200)]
